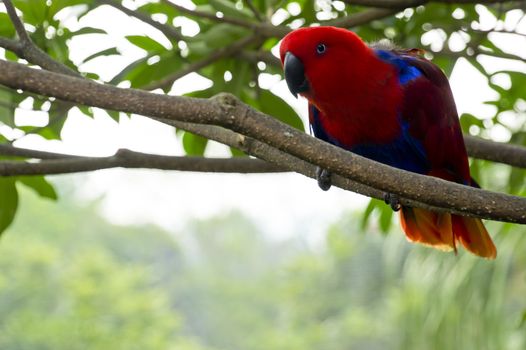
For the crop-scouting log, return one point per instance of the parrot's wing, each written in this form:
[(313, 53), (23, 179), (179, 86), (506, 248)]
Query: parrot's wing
[(429, 110)]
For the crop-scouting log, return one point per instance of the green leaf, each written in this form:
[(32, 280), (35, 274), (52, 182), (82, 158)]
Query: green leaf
[(386, 214), (8, 202), (373, 204), (276, 107), (58, 113), (147, 73), (89, 30), (40, 185), (467, 120), (158, 7), (113, 115), (57, 5), (123, 74), (218, 36), (87, 111), (6, 28), (194, 145), (237, 153), (33, 11), (146, 43), (7, 110), (229, 9), (107, 52)]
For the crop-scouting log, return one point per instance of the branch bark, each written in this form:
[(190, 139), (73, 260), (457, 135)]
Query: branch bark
[(496, 152), (124, 158), (228, 112)]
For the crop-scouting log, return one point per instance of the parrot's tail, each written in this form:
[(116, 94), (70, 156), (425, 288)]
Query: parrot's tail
[(443, 230)]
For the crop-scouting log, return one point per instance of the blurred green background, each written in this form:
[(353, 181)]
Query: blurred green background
[(71, 280)]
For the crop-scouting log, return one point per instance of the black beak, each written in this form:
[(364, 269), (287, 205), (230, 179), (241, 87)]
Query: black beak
[(295, 74)]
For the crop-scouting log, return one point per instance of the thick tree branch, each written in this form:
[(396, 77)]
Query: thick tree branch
[(496, 152), (130, 159), (227, 111)]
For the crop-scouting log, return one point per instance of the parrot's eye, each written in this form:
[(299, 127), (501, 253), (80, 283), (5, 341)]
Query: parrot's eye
[(321, 48)]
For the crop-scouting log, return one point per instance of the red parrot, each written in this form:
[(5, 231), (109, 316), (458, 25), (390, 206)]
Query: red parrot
[(392, 106)]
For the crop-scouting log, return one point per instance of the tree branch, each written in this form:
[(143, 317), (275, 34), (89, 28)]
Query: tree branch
[(11, 45), (28, 50), (167, 30), (269, 30), (124, 158), (12, 151), (193, 67), (496, 152), (362, 17), (401, 4), (226, 111), (254, 10), (211, 16), (264, 56)]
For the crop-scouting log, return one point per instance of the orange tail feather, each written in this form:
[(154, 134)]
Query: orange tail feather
[(443, 230)]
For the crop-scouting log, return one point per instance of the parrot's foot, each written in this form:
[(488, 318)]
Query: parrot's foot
[(393, 200), (324, 178)]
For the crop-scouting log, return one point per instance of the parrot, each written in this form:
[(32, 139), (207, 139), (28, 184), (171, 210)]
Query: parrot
[(393, 106)]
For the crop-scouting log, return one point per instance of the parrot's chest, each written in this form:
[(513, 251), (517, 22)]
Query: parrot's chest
[(397, 148), (363, 120)]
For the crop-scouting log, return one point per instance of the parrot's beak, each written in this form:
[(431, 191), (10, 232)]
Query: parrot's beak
[(295, 74)]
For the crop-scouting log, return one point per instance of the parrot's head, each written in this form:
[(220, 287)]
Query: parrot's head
[(319, 59)]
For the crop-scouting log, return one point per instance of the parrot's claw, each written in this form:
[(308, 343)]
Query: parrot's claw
[(324, 178), (393, 200)]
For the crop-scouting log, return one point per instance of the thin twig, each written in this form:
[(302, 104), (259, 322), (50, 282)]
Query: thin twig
[(212, 16), (29, 51), (362, 17), (257, 56), (169, 31), (194, 67), (254, 10), (124, 158), (17, 23), (401, 4), (11, 45), (12, 151)]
